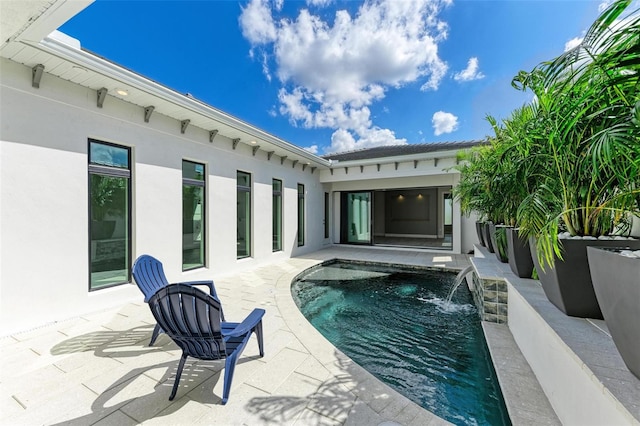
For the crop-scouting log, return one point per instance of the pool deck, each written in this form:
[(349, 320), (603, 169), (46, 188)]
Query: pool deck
[(97, 369)]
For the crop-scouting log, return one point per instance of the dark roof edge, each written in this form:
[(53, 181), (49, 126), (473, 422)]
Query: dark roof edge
[(403, 149)]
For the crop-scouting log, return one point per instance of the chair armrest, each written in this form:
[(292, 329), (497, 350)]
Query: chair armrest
[(247, 325), (208, 283)]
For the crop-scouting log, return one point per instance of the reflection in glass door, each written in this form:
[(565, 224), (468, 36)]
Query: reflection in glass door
[(358, 218), (448, 221)]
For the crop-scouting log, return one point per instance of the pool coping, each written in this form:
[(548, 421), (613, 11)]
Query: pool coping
[(366, 388), (523, 395)]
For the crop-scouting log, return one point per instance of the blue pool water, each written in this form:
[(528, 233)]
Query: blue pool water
[(397, 324)]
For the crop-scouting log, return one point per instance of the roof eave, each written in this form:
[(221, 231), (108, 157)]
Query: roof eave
[(124, 76), (399, 158)]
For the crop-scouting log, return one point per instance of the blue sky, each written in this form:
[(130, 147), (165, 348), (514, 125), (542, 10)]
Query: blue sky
[(330, 75)]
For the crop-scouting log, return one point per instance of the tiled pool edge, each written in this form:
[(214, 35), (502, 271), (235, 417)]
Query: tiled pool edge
[(575, 362), (379, 398), (525, 400), (524, 397)]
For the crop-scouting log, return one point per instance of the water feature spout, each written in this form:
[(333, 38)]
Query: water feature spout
[(459, 278)]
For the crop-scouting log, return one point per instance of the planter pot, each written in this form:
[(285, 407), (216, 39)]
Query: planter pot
[(616, 281), (567, 284), (519, 254), (499, 241), (479, 226), (486, 234)]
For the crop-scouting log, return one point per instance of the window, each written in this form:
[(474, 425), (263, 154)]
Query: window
[(110, 215), (244, 215), (193, 215), (300, 214), (277, 214), (326, 215)]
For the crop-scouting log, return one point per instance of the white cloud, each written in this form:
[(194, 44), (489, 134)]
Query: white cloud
[(312, 149), (470, 73), (265, 66), (277, 4), (331, 72), (574, 42), (342, 140), (257, 23), (319, 3), (444, 122)]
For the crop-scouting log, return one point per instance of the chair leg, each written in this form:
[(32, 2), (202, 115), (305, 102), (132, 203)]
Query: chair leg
[(156, 331), (258, 330), (178, 374), (229, 367)]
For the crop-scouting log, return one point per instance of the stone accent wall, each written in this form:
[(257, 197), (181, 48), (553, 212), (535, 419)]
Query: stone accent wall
[(490, 296)]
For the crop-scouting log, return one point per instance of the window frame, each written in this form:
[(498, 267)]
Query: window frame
[(111, 171), (249, 219), (301, 217), (327, 213), (200, 184), (274, 194)]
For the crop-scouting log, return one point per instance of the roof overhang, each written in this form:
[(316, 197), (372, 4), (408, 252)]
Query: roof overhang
[(62, 57), (398, 159)]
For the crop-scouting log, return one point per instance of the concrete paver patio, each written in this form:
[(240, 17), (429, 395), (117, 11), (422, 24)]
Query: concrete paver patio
[(97, 369)]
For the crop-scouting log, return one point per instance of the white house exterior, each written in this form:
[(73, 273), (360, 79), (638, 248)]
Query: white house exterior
[(58, 102)]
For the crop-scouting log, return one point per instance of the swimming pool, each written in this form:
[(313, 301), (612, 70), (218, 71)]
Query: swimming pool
[(395, 323)]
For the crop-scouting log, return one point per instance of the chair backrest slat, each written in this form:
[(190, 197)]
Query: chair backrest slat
[(148, 274), (191, 318)]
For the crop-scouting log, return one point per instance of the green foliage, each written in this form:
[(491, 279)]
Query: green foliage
[(107, 195), (570, 160), (587, 101)]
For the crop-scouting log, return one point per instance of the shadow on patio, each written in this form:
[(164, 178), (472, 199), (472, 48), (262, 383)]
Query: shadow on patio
[(132, 342), (142, 393)]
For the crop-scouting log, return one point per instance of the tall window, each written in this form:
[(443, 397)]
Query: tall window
[(300, 214), (193, 215), (244, 215), (110, 215), (326, 215), (277, 214)]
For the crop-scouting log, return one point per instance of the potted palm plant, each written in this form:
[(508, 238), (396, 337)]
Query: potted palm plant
[(586, 110), (474, 189), (510, 179)]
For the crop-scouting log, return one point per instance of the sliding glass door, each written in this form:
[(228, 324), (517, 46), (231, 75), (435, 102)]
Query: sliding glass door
[(356, 217)]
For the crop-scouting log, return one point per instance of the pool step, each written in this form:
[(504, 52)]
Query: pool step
[(526, 402), (574, 360)]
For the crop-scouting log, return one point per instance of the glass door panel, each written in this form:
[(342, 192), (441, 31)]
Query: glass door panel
[(359, 217)]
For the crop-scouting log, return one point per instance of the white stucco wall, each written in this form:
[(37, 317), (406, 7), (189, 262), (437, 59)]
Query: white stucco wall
[(44, 197)]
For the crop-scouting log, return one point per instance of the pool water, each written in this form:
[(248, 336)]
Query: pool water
[(397, 324)]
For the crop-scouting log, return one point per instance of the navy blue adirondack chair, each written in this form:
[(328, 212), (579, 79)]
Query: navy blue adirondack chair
[(148, 274), (191, 318)]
